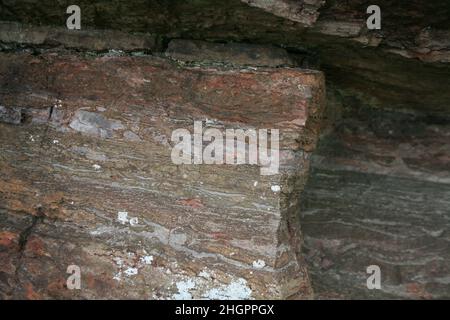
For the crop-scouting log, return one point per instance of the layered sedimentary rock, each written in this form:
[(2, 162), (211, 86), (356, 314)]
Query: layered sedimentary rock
[(96, 40), (410, 52), (240, 54), (87, 179), (379, 188), (379, 194), (303, 11)]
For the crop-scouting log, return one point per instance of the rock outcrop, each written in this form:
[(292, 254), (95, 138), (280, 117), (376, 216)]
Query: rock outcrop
[(379, 195), (86, 118), (87, 178)]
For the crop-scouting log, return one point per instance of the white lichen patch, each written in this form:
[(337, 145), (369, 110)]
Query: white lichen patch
[(275, 188), (183, 290), (134, 221), (130, 263), (131, 271), (147, 260), (236, 290), (259, 264), (206, 286), (122, 216)]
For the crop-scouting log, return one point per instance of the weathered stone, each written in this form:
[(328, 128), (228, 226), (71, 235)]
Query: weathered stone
[(388, 178), (379, 195), (99, 189), (94, 124), (234, 53), (10, 115), (364, 63), (431, 46), (303, 11), (346, 29), (89, 39)]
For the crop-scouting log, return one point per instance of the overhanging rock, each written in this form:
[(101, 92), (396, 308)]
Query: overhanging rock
[(87, 179), (303, 11)]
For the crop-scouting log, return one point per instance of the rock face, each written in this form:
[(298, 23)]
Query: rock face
[(87, 179), (233, 53), (95, 40), (303, 11), (410, 52), (379, 195), (86, 119)]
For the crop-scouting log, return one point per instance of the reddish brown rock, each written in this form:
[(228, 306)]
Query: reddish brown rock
[(303, 11), (87, 179), (379, 194)]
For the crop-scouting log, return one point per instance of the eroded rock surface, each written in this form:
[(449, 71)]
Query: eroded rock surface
[(380, 185), (234, 53), (379, 194), (92, 183), (303, 11)]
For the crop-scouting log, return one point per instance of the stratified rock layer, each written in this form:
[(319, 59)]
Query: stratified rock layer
[(379, 194), (303, 11), (87, 179), (234, 53)]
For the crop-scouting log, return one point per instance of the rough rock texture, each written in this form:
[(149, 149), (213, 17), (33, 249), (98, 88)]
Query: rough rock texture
[(303, 11), (234, 53), (87, 179), (410, 28), (379, 188), (379, 194), (96, 40), (410, 52)]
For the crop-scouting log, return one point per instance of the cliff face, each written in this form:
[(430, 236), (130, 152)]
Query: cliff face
[(86, 118), (88, 158), (410, 53)]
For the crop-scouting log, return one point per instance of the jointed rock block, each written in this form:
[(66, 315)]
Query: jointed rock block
[(87, 179)]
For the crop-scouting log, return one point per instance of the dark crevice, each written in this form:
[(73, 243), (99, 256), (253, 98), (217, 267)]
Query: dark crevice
[(25, 234), (24, 237)]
